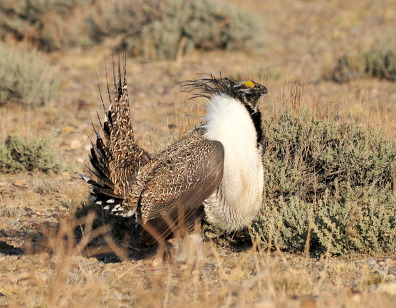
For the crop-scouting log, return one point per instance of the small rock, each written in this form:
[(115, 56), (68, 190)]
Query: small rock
[(157, 262), (67, 130), (307, 301), (389, 262), (381, 263), (372, 262), (20, 182), (356, 296), (75, 144)]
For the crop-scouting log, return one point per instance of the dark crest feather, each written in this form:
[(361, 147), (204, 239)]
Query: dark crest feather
[(207, 87)]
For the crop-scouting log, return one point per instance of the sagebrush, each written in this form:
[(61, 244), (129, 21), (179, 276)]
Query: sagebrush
[(48, 24), (28, 154), (328, 185), (26, 77), (185, 25), (379, 61), (152, 29)]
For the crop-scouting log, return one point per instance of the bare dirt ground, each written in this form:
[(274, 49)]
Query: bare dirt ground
[(301, 40)]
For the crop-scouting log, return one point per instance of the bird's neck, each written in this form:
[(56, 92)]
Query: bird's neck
[(229, 122)]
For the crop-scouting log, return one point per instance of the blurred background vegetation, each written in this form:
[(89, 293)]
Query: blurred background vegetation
[(330, 149), (152, 29)]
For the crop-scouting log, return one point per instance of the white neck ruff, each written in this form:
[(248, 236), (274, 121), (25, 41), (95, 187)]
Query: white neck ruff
[(239, 197)]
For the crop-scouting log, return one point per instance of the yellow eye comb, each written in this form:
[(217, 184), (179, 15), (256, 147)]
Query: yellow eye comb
[(249, 83)]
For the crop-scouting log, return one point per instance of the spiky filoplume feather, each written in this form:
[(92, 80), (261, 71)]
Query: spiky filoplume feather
[(248, 92), (116, 157), (215, 169)]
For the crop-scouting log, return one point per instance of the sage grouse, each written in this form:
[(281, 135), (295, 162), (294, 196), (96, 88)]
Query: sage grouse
[(214, 170)]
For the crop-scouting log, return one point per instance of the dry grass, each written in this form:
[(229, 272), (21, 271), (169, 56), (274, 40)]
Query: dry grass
[(199, 273)]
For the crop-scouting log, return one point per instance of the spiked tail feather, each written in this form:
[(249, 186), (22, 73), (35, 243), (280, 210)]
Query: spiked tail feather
[(116, 157)]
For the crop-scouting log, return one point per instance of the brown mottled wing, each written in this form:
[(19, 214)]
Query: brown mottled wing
[(187, 174)]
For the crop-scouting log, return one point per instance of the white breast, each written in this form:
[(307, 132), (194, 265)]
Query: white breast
[(235, 204)]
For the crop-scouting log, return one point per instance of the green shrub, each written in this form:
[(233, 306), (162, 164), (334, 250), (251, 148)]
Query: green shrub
[(381, 63), (205, 25), (378, 62), (362, 221), (336, 178), (153, 29), (285, 223), (25, 77), (48, 24), (176, 27), (30, 154)]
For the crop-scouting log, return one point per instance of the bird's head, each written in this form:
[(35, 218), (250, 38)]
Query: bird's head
[(248, 92)]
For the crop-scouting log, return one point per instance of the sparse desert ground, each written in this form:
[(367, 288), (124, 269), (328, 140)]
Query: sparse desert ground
[(300, 42)]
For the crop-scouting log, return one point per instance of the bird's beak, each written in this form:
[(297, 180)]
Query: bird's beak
[(264, 90)]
